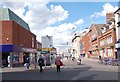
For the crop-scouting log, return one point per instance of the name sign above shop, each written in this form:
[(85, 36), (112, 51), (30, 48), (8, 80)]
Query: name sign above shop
[(29, 50)]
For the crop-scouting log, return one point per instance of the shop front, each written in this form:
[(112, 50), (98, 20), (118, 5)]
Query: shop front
[(31, 53), (13, 55), (10, 55)]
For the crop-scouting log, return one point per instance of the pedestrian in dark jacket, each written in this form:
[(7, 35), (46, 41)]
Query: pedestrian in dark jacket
[(27, 63), (41, 63)]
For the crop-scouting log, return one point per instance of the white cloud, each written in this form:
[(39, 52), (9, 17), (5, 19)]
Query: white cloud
[(39, 17), (61, 33), (106, 9), (17, 8), (80, 21), (58, 13)]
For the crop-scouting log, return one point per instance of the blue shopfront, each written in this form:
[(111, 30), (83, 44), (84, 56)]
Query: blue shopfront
[(11, 55), (15, 54)]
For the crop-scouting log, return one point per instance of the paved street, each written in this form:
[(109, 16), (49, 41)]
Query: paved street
[(88, 70)]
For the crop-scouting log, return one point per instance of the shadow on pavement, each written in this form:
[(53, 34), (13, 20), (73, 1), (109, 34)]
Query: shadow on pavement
[(47, 74), (82, 73)]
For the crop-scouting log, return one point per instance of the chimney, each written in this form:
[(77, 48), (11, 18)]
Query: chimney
[(109, 17)]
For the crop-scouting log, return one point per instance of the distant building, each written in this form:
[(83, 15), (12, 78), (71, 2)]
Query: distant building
[(89, 41), (75, 51), (85, 45), (75, 46), (16, 39), (47, 42)]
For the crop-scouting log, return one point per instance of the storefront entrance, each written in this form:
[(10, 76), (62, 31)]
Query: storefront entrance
[(5, 58)]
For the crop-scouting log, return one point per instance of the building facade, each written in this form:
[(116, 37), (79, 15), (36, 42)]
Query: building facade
[(117, 26), (17, 41), (107, 39), (100, 40), (85, 45), (75, 46), (95, 31)]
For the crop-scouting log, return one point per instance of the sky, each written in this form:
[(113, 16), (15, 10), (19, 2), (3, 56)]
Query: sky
[(58, 19)]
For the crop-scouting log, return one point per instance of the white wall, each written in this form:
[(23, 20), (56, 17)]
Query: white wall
[(76, 46), (117, 18)]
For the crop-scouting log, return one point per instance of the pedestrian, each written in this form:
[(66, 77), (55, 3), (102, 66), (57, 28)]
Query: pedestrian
[(41, 63), (27, 63), (8, 59), (58, 63), (79, 61)]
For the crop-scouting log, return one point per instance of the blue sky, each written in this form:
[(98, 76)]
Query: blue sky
[(82, 10), (58, 18)]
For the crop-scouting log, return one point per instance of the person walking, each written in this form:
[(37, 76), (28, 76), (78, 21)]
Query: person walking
[(41, 63), (58, 63), (79, 61), (27, 63)]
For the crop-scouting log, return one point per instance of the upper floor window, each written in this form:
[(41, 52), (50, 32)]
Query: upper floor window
[(102, 42), (109, 40), (103, 29), (81, 46), (32, 42)]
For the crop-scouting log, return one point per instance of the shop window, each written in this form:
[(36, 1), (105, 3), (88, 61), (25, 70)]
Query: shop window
[(109, 52)]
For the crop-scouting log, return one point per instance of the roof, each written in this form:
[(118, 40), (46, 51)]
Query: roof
[(7, 14), (98, 28), (117, 10)]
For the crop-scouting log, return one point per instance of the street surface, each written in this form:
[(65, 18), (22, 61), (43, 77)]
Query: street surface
[(88, 70)]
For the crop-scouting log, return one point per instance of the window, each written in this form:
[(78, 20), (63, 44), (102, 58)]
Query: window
[(109, 52), (32, 42), (101, 42), (109, 40), (103, 29), (110, 26), (81, 46)]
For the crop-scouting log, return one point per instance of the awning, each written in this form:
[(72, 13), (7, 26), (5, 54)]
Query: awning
[(9, 48)]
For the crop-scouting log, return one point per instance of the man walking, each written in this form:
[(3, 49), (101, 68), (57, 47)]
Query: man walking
[(27, 63)]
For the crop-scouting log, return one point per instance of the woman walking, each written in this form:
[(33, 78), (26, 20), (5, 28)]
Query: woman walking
[(58, 63)]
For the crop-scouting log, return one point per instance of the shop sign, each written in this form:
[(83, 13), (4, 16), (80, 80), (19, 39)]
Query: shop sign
[(29, 50)]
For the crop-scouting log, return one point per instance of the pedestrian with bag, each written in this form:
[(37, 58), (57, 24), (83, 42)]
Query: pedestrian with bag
[(41, 63), (58, 63)]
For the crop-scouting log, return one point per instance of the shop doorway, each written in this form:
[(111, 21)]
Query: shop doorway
[(5, 58)]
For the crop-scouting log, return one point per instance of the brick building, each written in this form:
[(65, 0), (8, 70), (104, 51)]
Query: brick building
[(100, 40), (85, 45), (17, 39), (107, 39), (95, 31)]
